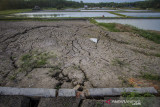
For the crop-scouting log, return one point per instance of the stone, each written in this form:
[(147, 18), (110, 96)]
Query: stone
[(38, 92), (67, 93), (60, 75), (35, 92), (9, 91), (100, 91)]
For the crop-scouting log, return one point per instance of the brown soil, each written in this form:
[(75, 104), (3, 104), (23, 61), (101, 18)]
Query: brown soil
[(116, 57)]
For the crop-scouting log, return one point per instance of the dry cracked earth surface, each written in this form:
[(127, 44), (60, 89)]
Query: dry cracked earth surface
[(60, 54)]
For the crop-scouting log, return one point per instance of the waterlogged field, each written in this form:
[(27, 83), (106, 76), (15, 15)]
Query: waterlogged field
[(141, 14), (65, 14), (146, 24), (97, 10)]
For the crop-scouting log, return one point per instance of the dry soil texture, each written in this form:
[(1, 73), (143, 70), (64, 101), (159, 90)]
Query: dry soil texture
[(61, 54)]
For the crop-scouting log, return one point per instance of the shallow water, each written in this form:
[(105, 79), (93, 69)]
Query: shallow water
[(139, 14), (97, 10), (65, 14), (146, 24), (135, 10)]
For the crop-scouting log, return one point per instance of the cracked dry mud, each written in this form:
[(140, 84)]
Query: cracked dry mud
[(77, 60)]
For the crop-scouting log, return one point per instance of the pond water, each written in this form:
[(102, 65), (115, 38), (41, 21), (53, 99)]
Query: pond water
[(146, 24), (135, 10), (97, 10), (139, 14), (65, 14)]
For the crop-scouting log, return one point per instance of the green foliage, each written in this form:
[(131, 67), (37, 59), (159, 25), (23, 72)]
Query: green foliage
[(33, 60), (118, 62), (12, 77), (23, 4), (149, 35), (55, 68), (118, 14), (55, 71), (146, 34), (144, 99), (93, 21), (149, 76), (6, 12), (109, 26), (136, 94)]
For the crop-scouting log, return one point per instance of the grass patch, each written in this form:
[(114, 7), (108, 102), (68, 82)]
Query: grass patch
[(157, 55), (49, 8), (118, 14), (76, 67), (33, 60), (12, 77), (147, 34), (7, 12), (125, 82), (136, 94), (144, 100), (117, 62), (55, 71), (113, 27), (110, 26), (149, 76), (93, 21)]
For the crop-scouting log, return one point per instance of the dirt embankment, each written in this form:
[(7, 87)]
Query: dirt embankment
[(61, 54)]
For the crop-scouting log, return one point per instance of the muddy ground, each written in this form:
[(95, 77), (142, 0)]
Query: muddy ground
[(60, 54)]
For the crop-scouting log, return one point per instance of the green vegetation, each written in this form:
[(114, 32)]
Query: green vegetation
[(144, 99), (12, 77), (55, 71), (150, 76), (118, 14), (125, 82), (76, 67), (110, 26), (157, 55), (23, 4), (153, 36), (33, 60), (118, 62), (55, 68), (61, 4), (147, 34), (136, 94), (7, 12)]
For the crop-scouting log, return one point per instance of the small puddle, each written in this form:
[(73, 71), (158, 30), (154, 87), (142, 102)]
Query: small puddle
[(94, 40)]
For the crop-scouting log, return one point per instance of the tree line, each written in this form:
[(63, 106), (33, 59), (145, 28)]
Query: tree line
[(140, 4), (23, 4), (59, 4)]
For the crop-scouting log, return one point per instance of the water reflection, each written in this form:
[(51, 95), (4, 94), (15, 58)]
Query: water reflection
[(147, 24), (139, 14), (65, 14), (97, 10)]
